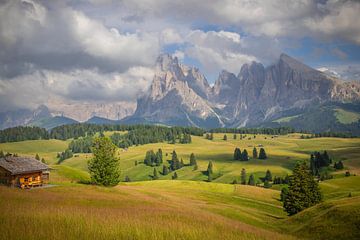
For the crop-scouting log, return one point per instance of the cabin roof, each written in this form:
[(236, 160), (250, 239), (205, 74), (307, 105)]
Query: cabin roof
[(18, 165)]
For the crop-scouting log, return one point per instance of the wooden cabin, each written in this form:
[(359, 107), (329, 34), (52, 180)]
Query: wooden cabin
[(23, 172)]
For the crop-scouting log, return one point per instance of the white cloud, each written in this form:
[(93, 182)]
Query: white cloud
[(79, 85), (217, 50)]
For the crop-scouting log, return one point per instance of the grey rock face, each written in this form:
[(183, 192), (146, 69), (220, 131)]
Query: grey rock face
[(182, 94)]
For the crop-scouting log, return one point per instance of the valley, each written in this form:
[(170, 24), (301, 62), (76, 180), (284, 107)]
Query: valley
[(188, 207)]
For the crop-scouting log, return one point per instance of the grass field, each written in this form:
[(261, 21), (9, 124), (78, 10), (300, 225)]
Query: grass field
[(183, 209)]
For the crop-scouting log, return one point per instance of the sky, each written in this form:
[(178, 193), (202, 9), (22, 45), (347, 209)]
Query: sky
[(105, 50)]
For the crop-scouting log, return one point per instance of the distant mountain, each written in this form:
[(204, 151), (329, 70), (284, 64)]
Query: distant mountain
[(286, 93), (100, 120), (177, 96), (52, 122), (181, 95), (23, 116)]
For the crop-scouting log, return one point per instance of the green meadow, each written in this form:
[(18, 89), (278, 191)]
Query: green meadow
[(187, 208)]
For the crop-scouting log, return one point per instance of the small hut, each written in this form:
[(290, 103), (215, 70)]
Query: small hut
[(23, 172)]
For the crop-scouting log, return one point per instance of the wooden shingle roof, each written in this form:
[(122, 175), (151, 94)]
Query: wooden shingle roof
[(18, 165)]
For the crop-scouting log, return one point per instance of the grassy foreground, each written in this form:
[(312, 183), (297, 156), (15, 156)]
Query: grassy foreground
[(183, 209)]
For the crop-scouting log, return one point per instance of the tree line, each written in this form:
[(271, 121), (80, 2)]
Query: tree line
[(243, 156)]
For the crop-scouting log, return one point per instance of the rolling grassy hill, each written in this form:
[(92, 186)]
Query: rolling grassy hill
[(183, 209)]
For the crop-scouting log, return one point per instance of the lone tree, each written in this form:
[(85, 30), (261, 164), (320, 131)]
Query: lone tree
[(210, 168), (255, 153), (234, 137), (127, 179), (192, 159), (262, 154), (243, 176), (225, 137), (303, 190), (37, 157), (175, 176), (103, 166), (251, 180)]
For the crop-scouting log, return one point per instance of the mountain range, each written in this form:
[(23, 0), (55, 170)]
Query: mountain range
[(286, 93)]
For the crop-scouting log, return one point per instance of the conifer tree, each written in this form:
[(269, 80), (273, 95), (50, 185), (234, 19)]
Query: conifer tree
[(37, 157), (192, 159), (251, 180), (225, 137), (127, 179), (262, 154), (2, 154), (243, 176), (210, 168), (268, 176), (255, 154), (155, 175), (175, 163), (175, 176), (284, 192), (303, 191), (237, 154), (244, 155), (103, 167), (209, 178), (234, 137), (165, 170)]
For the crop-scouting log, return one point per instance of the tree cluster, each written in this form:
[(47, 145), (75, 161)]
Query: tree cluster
[(64, 155), (17, 134), (267, 131), (241, 156), (339, 165), (153, 159), (319, 160), (81, 145)]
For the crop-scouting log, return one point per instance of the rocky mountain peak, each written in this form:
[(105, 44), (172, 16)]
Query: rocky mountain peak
[(289, 62)]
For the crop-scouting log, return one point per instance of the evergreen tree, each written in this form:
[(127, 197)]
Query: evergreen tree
[(127, 179), (284, 192), (165, 170), (181, 163), (262, 154), (103, 167), (212, 136), (303, 192), (209, 177), (255, 154), (2, 154), (244, 155), (192, 159), (155, 174), (37, 157), (225, 137), (237, 154), (243, 176), (268, 176), (136, 163), (159, 157), (234, 137), (195, 167), (175, 176), (251, 180), (43, 160), (210, 168), (175, 163)]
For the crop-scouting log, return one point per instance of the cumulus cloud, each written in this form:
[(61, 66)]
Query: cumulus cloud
[(217, 50), (78, 85), (59, 37)]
